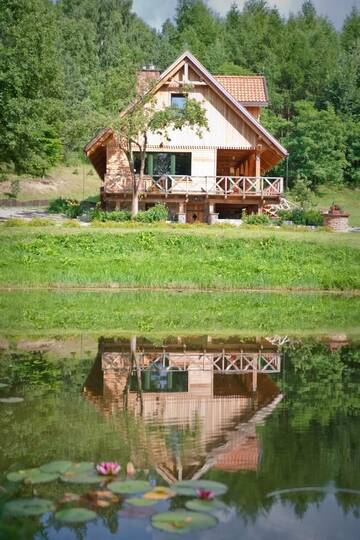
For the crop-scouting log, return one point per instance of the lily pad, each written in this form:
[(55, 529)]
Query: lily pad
[(160, 493), (17, 476), (129, 486), (140, 501), (59, 467), (89, 477), (182, 521), (3, 385), (199, 505), (190, 487), (81, 467), (32, 476), (11, 400), (75, 515), (28, 507)]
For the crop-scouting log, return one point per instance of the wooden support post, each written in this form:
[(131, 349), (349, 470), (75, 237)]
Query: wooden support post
[(254, 375), (258, 165)]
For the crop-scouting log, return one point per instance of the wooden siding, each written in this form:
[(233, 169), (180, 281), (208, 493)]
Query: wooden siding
[(226, 128)]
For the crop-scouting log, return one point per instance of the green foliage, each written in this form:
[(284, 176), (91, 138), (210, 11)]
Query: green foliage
[(31, 83), (116, 215), (301, 192), (302, 217), (255, 219), (70, 207), (316, 145), (62, 81), (158, 212)]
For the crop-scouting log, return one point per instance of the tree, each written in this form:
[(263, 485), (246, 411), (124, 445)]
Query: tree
[(316, 144), (31, 84), (143, 117)]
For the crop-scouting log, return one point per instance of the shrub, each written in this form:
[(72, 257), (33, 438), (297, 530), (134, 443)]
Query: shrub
[(255, 219), (159, 212), (299, 216), (58, 206), (70, 207), (101, 215), (156, 213)]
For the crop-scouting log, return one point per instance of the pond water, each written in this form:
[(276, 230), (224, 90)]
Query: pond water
[(273, 419)]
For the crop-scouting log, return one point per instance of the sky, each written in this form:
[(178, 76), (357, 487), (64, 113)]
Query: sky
[(155, 12)]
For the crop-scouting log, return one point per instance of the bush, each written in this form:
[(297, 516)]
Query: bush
[(159, 212), (302, 217), (255, 219), (70, 207), (156, 213), (102, 215)]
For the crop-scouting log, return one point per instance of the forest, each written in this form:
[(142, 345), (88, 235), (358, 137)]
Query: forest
[(68, 66)]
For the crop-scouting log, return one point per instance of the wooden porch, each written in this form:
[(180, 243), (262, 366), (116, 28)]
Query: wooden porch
[(166, 184)]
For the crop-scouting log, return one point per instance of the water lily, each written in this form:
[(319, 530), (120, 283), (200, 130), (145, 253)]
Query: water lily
[(108, 468), (205, 494)]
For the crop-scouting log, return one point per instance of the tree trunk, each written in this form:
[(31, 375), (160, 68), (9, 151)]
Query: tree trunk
[(135, 203)]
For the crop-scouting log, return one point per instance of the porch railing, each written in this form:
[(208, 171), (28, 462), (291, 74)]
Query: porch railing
[(246, 186)]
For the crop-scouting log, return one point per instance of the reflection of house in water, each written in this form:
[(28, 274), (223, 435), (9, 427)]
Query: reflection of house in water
[(200, 399)]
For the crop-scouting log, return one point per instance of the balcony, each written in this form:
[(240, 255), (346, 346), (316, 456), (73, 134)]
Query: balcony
[(224, 186)]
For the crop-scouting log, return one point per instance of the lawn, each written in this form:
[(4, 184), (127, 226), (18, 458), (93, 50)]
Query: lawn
[(190, 257), (159, 314)]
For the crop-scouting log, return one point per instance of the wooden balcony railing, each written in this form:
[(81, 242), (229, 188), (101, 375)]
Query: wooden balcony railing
[(245, 186)]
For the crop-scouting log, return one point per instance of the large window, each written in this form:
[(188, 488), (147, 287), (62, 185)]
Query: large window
[(178, 101), (159, 163)]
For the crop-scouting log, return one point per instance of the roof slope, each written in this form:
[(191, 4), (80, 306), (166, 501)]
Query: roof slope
[(246, 89), (217, 87)]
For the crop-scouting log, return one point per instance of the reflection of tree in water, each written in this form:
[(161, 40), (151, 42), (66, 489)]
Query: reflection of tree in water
[(312, 438)]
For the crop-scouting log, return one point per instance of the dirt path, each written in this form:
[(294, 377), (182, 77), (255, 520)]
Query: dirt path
[(25, 212)]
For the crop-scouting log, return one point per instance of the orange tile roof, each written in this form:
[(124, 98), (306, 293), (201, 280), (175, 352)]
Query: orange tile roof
[(245, 88)]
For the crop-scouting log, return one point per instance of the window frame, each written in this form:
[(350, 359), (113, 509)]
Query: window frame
[(178, 95)]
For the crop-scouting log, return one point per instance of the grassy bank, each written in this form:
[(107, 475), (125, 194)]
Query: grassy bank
[(179, 257), (163, 314), (348, 199), (75, 182)]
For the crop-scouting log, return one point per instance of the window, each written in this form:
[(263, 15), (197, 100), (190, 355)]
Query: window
[(178, 101), (159, 163)]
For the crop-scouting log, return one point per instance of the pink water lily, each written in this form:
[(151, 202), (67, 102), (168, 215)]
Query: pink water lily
[(205, 494), (108, 468)]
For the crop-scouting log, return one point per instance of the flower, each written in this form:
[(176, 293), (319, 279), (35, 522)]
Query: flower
[(108, 468), (205, 494)]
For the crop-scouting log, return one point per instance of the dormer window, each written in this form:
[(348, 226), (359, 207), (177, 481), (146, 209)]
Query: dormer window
[(178, 101)]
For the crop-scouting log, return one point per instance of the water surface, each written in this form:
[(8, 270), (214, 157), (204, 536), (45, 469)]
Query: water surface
[(276, 419)]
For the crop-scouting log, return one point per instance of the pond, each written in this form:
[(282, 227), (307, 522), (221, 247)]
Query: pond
[(272, 422)]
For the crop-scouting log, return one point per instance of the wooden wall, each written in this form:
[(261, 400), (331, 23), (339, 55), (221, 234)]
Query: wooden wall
[(226, 129)]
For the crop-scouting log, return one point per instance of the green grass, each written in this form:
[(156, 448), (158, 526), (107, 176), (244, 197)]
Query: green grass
[(348, 199), (44, 313), (179, 257)]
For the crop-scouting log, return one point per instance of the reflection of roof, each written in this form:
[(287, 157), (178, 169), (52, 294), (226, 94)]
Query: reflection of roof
[(242, 455), (246, 89)]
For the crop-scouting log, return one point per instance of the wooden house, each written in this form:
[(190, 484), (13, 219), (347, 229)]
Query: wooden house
[(200, 178)]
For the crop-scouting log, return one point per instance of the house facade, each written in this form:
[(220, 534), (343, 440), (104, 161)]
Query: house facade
[(200, 178)]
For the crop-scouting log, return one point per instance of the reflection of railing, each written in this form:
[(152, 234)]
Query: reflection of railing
[(210, 185), (260, 362)]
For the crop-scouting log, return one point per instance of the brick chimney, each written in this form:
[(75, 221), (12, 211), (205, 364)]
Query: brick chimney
[(145, 77)]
